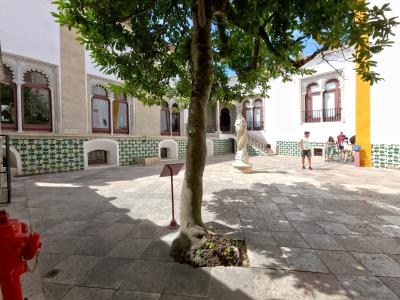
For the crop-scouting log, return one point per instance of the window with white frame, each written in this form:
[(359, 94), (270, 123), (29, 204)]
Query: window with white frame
[(36, 102), (100, 110), (253, 114), (120, 114), (164, 119), (322, 102), (8, 97)]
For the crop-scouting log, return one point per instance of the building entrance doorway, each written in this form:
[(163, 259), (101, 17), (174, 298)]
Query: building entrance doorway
[(225, 120)]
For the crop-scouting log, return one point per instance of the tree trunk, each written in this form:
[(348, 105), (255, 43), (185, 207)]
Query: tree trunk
[(192, 228)]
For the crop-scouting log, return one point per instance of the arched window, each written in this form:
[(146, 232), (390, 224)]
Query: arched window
[(36, 102), (8, 96), (246, 112), (164, 119), (100, 110), (258, 121), (225, 120), (331, 104), (175, 120), (120, 114), (313, 103)]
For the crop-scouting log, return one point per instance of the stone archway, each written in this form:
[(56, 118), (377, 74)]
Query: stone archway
[(110, 148), (168, 149), (15, 161), (225, 120)]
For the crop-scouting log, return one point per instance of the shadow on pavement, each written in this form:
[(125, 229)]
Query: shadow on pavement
[(104, 237)]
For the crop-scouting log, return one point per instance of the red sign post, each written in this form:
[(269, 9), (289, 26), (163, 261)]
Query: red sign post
[(172, 170)]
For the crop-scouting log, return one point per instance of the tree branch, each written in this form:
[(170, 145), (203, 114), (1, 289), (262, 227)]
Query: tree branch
[(256, 52), (181, 18), (201, 13), (224, 8), (329, 63), (301, 62), (222, 37), (139, 12)]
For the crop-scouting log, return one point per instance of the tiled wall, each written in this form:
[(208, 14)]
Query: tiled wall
[(131, 149), (292, 148), (222, 146), (63, 154), (253, 151), (48, 155), (383, 155)]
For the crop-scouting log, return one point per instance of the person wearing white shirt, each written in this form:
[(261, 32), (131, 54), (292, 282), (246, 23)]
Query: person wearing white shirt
[(305, 149)]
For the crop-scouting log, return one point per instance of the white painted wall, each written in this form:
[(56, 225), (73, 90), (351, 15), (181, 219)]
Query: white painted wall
[(283, 109), (28, 29), (112, 148), (385, 96)]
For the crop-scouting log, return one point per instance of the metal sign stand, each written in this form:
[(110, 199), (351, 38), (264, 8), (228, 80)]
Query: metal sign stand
[(171, 170)]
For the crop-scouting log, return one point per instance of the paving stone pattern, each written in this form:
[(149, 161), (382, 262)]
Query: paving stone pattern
[(330, 233)]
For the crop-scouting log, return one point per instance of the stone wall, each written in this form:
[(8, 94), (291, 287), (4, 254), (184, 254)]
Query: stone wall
[(73, 84)]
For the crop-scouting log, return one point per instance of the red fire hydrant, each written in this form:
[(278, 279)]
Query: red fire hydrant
[(17, 247)]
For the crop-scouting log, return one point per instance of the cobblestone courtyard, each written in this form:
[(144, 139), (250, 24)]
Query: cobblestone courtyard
[(330, 233)]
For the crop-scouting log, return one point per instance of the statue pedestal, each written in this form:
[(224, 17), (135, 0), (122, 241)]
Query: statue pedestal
[(242, 167)]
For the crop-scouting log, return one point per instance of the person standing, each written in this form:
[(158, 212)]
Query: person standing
[(340, 142), (305, 149), (347, 149), (329, 148)]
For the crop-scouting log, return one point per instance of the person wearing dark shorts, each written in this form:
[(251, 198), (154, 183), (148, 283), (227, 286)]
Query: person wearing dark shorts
[(305, 149), (340, 142)]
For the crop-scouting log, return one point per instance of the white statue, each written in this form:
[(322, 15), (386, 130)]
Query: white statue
[(241, 163)]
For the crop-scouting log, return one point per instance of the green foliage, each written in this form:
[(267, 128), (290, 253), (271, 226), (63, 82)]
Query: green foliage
[(146, 43), (209, 245), (228, 253)]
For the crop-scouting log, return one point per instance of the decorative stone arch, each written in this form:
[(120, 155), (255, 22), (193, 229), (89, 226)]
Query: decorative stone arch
[(12, 64), (171, 147), (12, 69), (210, 147), (104, 83), (110, 146), (15, 160), (46, 71)]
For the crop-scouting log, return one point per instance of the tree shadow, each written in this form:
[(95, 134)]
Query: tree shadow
[(110, 242), (104, 236), (280, 223)]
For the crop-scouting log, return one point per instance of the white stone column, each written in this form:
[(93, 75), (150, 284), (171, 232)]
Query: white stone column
[(111, 99), (217, 118), (130, 116), (54, 118), (90, 111), (19, 106), (170, 107)]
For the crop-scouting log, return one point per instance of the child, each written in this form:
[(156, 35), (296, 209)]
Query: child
[(348, 149), (329, 148), (305, 149)]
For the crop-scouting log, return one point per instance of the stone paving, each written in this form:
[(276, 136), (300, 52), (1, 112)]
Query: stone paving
[(330, 233)]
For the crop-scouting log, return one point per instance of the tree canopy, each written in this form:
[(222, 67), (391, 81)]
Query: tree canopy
[(147, 43)]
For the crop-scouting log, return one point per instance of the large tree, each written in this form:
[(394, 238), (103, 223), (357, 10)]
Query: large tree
[(185, 49)]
